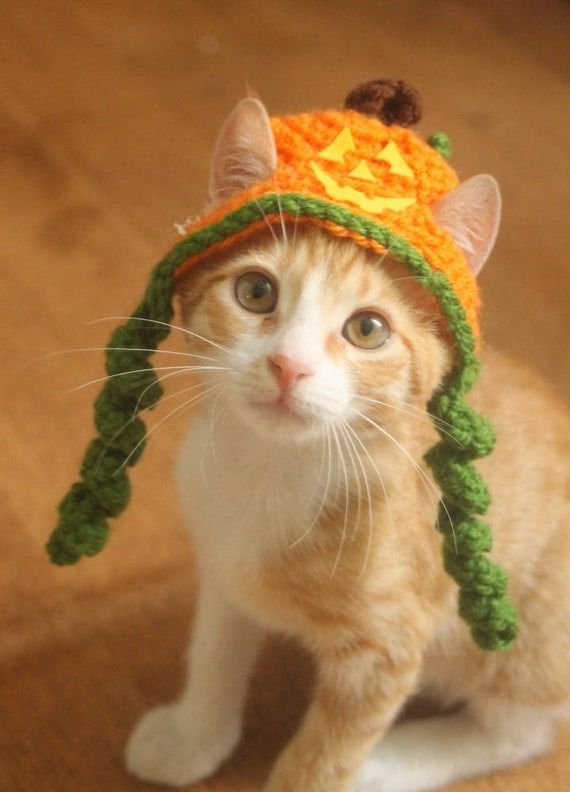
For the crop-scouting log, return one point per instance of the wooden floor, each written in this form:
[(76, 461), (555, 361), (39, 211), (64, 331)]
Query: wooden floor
[(108, 112)]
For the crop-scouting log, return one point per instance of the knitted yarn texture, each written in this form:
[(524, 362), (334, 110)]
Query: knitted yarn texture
[(359, 186)]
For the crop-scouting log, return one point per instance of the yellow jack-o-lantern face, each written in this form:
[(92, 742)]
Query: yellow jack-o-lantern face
[(373, 204)]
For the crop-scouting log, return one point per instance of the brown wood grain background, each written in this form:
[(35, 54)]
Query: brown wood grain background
[(108, 112)]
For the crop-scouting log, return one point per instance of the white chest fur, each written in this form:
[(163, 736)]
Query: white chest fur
[(247, 498)]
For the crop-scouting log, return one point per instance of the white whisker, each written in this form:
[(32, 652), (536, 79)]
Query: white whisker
[(150, 370), (325, 491), (410, 277), (413, 412), (126, 349), (171, 395), (210, 436), (381, 480), (354, 455), (296, 223), (283, 228), (356, 477), (135, 415), (171, 414), (267, 223), (400, 405), (165, 324), (427, 482), (385, 254), (346, 501)]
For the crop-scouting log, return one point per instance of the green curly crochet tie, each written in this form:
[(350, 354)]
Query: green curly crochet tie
[(103, 489)]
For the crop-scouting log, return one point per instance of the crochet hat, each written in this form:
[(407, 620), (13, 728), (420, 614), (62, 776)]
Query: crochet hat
[(359, 174)]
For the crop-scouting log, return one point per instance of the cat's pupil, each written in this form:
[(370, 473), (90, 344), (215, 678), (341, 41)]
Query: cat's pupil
[(366, 326), (260, 288)]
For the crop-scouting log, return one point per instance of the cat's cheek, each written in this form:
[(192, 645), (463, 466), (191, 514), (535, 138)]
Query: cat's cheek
[(219, 318), (332, 390), (429, 362), (384, 369)]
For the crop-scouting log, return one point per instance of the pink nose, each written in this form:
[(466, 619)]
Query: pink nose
[(288, 371)]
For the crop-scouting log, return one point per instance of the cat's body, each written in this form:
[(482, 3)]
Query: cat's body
[(240, 543), (312, 514)]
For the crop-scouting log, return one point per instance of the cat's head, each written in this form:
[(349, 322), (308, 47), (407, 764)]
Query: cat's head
[(309, 329)]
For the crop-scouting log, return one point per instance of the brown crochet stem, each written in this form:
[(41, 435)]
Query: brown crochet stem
[(392, 101)]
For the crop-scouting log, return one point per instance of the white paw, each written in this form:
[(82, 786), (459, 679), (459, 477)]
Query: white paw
[(372, 777), (168, 747)]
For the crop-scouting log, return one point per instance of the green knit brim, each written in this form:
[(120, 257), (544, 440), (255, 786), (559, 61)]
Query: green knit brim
[(103, 489)]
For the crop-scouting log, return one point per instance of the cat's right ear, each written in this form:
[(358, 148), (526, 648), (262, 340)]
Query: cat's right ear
[(245, 151)]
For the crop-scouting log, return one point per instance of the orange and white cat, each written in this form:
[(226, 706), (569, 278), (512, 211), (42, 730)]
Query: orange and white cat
[(312, 514)]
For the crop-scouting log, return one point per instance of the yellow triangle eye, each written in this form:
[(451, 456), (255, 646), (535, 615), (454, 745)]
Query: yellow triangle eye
[(398, 165), (342, 143), (372, 203), (362, 171)]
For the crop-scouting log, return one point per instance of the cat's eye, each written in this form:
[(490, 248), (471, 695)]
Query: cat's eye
[(366, 330), (256, 292)]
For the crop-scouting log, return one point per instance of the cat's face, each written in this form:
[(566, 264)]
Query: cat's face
[(313, 332)]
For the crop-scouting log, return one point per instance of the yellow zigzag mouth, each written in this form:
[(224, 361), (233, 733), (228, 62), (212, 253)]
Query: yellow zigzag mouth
[(375, 205)]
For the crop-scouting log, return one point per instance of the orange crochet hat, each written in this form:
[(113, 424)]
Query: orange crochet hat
[(385, 173), (362, 175)]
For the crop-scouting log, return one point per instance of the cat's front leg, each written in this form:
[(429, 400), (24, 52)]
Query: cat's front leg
[(360, 688), (187, 740)]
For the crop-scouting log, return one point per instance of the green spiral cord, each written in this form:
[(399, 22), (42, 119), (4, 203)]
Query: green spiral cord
[(103, 490)]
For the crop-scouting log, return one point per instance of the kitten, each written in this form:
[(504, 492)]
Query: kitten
[(312, 514)]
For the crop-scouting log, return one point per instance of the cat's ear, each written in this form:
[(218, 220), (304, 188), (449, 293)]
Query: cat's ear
[(471, 214), (245, 151)]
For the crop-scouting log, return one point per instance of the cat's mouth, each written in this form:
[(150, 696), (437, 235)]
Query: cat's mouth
[(281, 408)]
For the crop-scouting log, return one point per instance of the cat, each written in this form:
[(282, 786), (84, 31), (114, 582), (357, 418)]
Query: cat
[(312, 513)]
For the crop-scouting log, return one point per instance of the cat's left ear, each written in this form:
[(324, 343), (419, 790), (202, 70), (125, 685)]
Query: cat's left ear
[(245, 151), (471, 214)]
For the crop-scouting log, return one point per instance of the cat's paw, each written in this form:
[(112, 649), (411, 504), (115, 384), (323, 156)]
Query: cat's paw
[(372, 777), (166, 747)]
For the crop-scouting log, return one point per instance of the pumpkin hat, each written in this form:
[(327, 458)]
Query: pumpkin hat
[(360, 174)]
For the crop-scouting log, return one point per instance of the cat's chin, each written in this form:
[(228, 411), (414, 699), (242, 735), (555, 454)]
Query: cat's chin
[(280, 410), (282, 422)]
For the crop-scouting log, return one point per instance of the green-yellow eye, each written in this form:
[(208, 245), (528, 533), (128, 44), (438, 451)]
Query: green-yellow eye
[(256, 292), (366, 330)]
